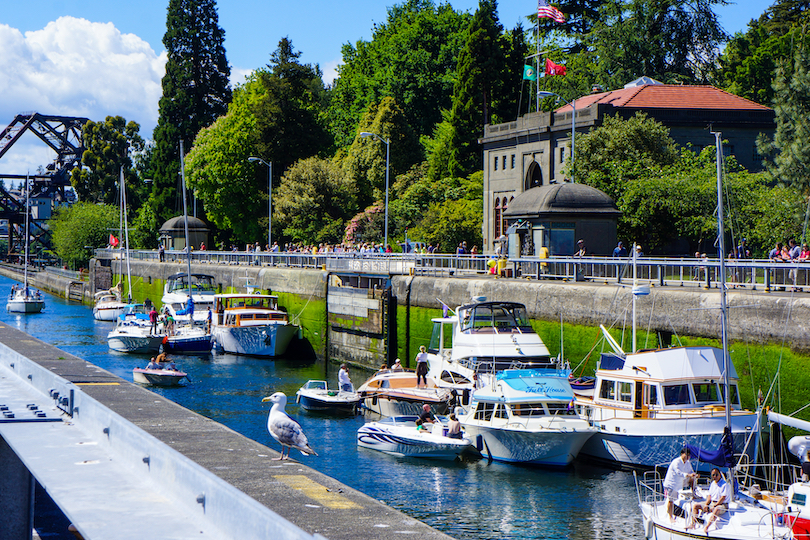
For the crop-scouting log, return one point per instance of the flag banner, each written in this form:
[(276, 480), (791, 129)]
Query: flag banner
[(113, 241), (549, 12), (529, 74), (554, 69)]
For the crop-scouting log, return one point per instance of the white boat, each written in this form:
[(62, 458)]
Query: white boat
[(251, 324), (201, 288), (394, 393), (315, 396), (108, 305), (133, 333), (158, 377), (398, 436), (23, 299), (479, 338), (526, 416), (772, 506)]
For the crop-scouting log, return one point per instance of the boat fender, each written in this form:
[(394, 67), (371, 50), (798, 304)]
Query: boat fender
[(374, 400), (649, 527), (479, 442), (465, 397)]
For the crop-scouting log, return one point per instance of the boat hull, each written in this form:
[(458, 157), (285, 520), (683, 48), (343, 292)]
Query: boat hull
[(187, 345), (322, 402), (25, 306), (264, 340), (157, 377), (406, 441), (133, 343), (643, 444), (550, 448), (110, 313), (400, 405)]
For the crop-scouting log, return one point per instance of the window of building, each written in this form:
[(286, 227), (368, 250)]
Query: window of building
[(562, 155), (513, 161), (757, 156), (496, 163), (504, 162)]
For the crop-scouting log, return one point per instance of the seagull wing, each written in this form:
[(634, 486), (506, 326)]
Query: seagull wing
[(288, 432)]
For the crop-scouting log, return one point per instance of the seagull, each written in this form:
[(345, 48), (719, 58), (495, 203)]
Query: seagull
[(284, 429)]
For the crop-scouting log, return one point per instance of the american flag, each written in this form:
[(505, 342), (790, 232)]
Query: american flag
[(549, 12)]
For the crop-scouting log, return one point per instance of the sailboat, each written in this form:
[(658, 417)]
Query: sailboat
[(189, 338), (22, 299), (108, 303)]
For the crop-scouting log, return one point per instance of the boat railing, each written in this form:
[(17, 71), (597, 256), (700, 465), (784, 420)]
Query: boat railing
[(650, 488)]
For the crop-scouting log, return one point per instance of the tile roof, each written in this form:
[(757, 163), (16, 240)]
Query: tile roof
[(668, 96)]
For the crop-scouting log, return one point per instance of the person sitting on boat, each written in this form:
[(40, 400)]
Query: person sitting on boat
[(425, 418), (170, 366), (421, 367), (344, 382), (397, 365), (153, 364), (716, 503), (454, 427), (679, 472)]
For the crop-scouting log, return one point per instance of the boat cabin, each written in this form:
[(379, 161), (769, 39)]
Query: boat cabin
[(200, 284), (523, 394), (248, 310)]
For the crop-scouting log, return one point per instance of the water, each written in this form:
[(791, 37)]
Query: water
[(473, 500)]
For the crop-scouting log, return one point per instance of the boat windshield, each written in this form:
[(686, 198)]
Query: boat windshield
[(735, 394), (199, 283), (249, 302), (676, 394), (497, 317), (437, 336)]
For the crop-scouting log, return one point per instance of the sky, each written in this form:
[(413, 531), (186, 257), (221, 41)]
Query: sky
[(95, 58)]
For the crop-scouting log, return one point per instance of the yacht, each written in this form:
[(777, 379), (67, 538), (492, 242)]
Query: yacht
[(201, 288), (394, 393), (133, 332), (526, 416), (108, 304), (251, 324)]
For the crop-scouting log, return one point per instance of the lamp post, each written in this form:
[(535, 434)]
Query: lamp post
[(387, 154), (269, 199), (573, 123)]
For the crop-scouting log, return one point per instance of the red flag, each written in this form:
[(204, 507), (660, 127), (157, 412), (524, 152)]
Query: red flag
[(554, 69), (113, 241), (549, 12)]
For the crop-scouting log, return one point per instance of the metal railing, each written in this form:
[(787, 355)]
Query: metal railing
[(756, 274)]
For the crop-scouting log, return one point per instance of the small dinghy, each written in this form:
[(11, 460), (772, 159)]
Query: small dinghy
[(315, 396), (158, 377)]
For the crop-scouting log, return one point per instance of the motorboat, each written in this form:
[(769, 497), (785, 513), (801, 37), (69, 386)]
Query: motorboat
[(647, 405), (394, 393), (23, 299), (251, 324), (526, 416), (108, 304), (315, 396), (188, 339), (158, 377), (133, 332), (179, 288), (771, 502), (483, 337), (399, 436)]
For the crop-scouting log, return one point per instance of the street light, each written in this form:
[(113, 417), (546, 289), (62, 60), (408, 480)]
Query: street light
[(269, 199), (573, 123), (387, 154)]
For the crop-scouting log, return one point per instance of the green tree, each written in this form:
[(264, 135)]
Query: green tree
[(457, 218), (789, 152), (288, 115), (315, 200), (143, 232), (195, 92), (619, 151), (109, 145), (411, 58), (83, 224)]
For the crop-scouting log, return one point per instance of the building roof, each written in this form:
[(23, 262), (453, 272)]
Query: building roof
[(668, 96), (566, 198), (177, 224)]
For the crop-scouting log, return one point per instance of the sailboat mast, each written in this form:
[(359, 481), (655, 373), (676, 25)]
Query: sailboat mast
[(185, 215), (126, 232), (722, 255), (27, 235)]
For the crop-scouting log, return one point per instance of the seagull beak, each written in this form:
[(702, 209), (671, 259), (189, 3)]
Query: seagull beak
[(266, 399)]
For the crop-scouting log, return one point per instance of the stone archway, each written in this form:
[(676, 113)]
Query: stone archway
[(534, 176)]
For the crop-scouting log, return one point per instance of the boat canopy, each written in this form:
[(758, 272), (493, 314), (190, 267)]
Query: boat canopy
[(678, 363), (528, 385)]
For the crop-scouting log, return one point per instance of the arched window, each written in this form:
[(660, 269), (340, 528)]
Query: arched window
[(534, 176), (497, 220)]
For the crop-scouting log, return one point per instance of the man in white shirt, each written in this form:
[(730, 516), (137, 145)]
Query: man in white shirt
[(716, 503), (344, 381), (680, 472)]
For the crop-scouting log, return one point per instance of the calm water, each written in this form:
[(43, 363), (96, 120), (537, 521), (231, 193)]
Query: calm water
[(475, 500)]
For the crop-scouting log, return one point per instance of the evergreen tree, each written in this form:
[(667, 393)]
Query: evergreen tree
[(196, 91), (479, 85)]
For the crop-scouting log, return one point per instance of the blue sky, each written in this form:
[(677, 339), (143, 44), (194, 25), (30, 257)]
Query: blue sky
[(96, 58)]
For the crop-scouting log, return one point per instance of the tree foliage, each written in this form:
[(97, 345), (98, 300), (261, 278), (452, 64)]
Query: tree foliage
[(108, 145), (196, 91), (83, 224)]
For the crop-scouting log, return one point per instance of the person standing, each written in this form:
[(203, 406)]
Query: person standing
[(421, 367), (679, 472), (344, 382), (153, 318), (161, 252), (620, 250)]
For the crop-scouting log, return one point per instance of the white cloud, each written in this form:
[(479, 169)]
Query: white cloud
[(330, 70), (74, 67)]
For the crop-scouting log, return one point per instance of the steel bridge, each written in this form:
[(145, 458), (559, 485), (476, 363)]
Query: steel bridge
[(63, 134)]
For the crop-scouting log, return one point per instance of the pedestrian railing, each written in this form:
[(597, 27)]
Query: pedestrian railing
[(753, 273)]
